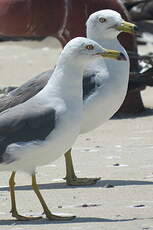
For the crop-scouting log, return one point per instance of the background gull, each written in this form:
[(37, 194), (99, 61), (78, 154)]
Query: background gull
[(107, 79), (48, 121)]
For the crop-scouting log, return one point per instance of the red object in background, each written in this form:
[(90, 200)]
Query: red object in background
[(63, 19), (31, 17)]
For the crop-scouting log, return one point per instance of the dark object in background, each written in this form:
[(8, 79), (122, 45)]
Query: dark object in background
[(140, 9), (63, 20), (141, 13)]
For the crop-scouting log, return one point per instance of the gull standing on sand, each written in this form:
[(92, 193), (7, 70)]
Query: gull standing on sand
[(49, 121), (106, 80), (104, 84)]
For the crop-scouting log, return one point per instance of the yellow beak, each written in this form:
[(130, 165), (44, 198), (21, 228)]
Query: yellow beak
[(127, 27), (113, 54)]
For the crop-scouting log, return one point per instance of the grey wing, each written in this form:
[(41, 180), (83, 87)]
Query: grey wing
[(25, 91), (18, 125), (90, 83)]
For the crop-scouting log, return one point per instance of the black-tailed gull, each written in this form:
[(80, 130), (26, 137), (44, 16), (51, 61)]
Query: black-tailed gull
[(107, 79), (43, 128)]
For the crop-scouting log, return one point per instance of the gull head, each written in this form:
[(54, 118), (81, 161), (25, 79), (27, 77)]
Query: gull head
[(83, 50), (108, 24)]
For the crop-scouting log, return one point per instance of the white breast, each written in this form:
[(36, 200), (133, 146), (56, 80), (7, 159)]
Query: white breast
[(107, 99)]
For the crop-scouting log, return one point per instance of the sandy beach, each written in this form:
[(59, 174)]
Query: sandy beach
[(120, 151)]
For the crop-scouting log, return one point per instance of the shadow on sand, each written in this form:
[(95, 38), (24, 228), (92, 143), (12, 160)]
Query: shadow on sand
[(76, 220), (147, 112), (101, 183)]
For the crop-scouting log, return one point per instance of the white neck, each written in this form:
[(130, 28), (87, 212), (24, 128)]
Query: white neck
[(113, 76), (109, 43), (119, 66), (66, 81)]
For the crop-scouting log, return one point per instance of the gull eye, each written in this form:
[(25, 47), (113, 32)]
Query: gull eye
[(102, 20), (89, 47)]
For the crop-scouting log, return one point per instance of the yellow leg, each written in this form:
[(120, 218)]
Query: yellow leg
[(71, 178), (47, 212), (13, 202)]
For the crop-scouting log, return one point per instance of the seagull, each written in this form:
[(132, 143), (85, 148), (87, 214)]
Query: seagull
[(44, 127), (104, 82)]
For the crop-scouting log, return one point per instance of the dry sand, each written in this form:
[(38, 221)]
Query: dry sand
[(126, 143)]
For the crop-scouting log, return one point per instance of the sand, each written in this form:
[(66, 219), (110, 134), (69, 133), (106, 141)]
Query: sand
[(121, 152)]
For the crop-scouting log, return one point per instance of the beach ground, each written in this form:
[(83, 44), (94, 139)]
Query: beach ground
[(120, 152)]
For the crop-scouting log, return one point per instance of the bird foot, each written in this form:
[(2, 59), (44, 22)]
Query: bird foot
[(51, 216), (81, 181), (25, 218)]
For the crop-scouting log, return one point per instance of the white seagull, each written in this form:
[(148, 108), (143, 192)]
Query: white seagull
[(44, 127), (104, 83)]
